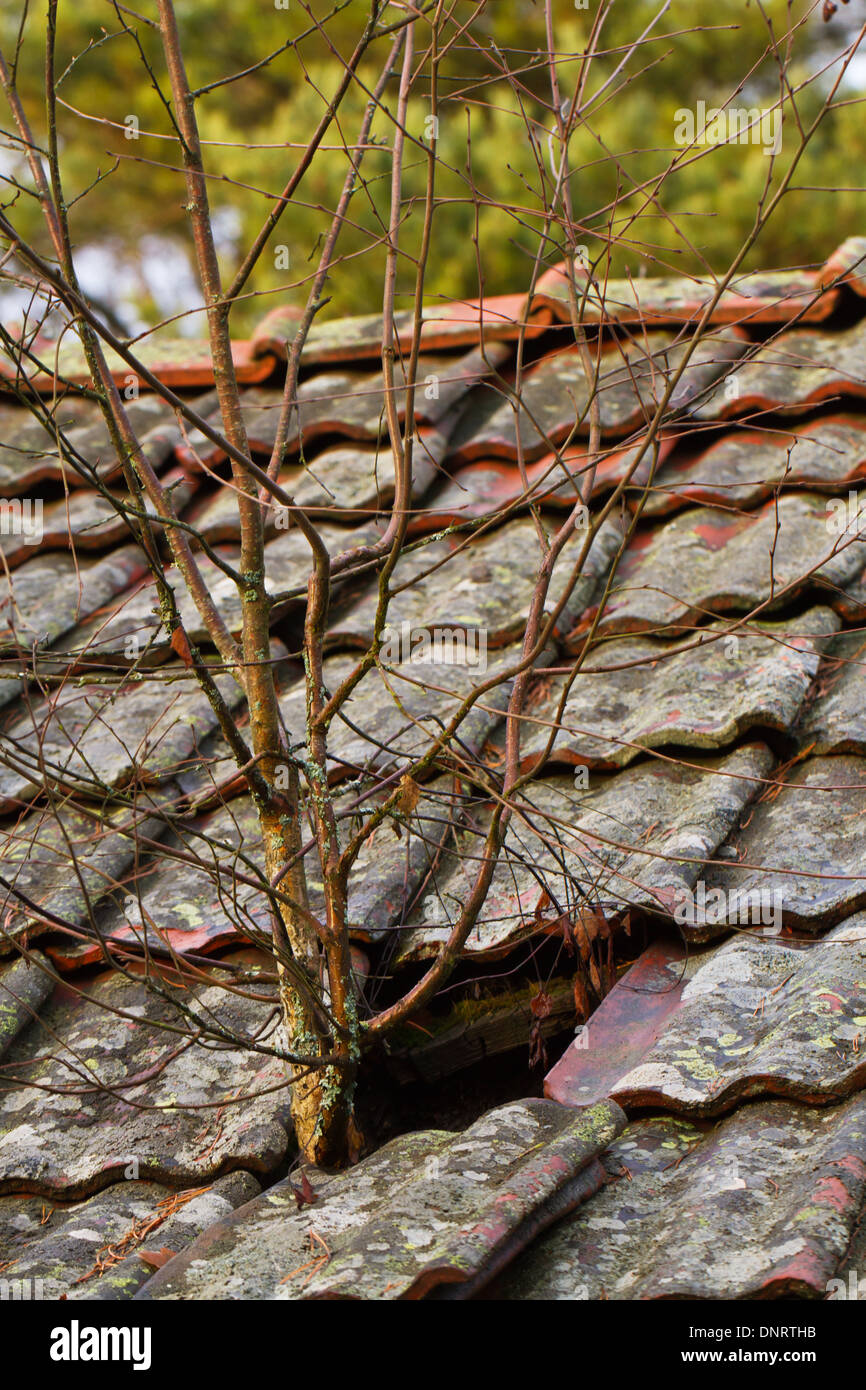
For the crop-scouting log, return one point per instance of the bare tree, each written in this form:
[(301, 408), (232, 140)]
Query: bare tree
[(312, 830)]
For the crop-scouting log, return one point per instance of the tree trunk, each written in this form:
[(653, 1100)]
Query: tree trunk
[(322, 1097)]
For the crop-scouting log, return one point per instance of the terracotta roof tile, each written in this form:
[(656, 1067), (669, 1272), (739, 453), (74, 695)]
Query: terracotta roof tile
[(757, 298), (47, 1149), (636, 693), (805, 844), (638, 838), (633, 375), (429, 1210), (733, 1213), (760, 1017), (444, 326), (80, 1251), (732, 758), (711, 560)]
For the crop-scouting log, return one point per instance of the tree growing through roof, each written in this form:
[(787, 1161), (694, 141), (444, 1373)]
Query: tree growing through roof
[(314, 831)]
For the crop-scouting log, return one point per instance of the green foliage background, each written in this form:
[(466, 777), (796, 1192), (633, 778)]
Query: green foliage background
[(700, 218)]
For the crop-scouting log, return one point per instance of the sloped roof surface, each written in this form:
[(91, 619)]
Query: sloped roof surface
[(723, 762)]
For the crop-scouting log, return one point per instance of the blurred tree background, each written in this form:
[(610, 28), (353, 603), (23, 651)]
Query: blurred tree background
[(130, 228)]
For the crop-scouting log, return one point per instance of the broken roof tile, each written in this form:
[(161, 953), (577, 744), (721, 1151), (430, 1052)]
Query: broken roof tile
[(623, 1028), (764, 1205), (760, 1017), (693, 1027), (430, 1212), (434, 1044)]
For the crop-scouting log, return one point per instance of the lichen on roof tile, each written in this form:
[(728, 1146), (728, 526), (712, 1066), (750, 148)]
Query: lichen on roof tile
[(709, 559), (25, 984), (759, 455), (638, 838), (835, 721), (75, 1116), (761, 1016), (483, 584), (358, 337), (90, 1250), (176, 362), (742, 468), (347, 402), (92, 737), (35, 852), (391, 714), (634, 693), (430, 1209), (633, 376), (763, 1205), (804, 844), (202, 887), (756, 297), (797, 368), (46, 596)]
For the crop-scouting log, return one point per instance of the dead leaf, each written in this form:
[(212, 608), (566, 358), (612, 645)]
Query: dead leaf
[(408, 793), (537, 1049), (157, 1258), (581, 998), (595, 979), (581, 936), (180, 644), (304, 1195), (541, 906), (594, 921), (541, 1004)]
